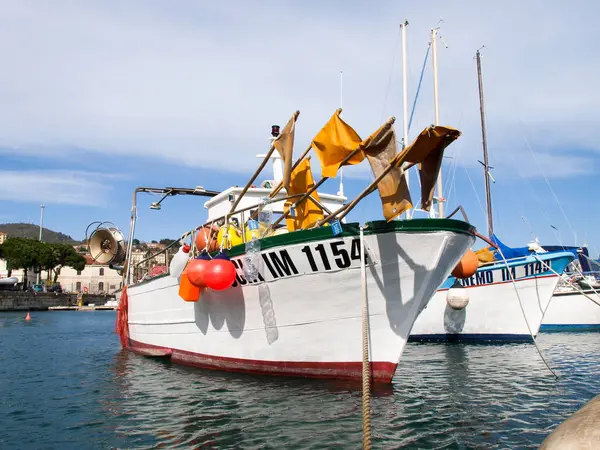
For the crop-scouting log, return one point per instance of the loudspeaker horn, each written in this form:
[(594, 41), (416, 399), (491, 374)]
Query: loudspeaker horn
[(106, 245)]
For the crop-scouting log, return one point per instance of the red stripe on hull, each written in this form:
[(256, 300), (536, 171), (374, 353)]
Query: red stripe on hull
[(381, 372)]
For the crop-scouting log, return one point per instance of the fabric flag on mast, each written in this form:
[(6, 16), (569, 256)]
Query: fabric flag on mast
[(307, 213), (334, 143), (285, 146), (380, 148), (428, 150)]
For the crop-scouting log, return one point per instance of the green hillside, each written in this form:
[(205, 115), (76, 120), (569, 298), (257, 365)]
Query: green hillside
[(27, 230)]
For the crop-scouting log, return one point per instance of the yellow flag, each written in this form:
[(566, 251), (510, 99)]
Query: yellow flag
[(334, 143), (285, 146), (307, 213), (380, 149), (427, 150)]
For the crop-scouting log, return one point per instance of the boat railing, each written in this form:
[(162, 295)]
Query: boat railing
[(219, 221), (222, 220)]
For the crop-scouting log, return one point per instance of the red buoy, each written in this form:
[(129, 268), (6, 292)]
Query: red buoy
[(467, 266), (196, 270), (27, 317), (219, 274)]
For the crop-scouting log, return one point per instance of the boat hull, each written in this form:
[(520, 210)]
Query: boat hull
[(494, 312), (295, 321), (572, 311)]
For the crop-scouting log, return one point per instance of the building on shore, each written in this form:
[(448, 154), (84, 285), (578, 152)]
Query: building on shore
[(95, 278), (3, 237)]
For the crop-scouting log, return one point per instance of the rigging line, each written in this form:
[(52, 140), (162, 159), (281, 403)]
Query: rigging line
[(570, 283), (389, 85), (546, 179), (524, 315), (418, 87), (520, 197), (475, 191)]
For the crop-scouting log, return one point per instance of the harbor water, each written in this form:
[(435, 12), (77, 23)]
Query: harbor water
[(65, 383)]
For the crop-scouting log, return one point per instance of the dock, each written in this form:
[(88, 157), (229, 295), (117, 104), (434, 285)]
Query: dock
[(83, 308)]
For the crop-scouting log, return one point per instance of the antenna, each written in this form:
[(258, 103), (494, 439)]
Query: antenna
[(341, 191)]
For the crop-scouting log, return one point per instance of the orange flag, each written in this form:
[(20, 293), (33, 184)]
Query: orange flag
[(307, 213), (334, 143), (428, 150), (380, 149), (285, 146)]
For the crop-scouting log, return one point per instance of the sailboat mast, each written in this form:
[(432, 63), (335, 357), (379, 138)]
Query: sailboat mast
[(405, 100), (437, 113), (486, 166)]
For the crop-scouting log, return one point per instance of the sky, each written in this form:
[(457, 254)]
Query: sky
[(97, 98)]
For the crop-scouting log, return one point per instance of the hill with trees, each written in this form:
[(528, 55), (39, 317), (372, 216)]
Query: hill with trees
[(30, 231)]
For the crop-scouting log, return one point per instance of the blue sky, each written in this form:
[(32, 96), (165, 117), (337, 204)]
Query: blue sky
[(97, 98)]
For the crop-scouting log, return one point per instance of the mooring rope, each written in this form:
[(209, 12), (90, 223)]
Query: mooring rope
[(512, 278), (366, 369), (572, 284)]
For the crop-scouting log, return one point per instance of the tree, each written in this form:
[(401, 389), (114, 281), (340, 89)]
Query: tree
[(65, 255), (166, 242), (20, 253), (136, 242), (154, 242)]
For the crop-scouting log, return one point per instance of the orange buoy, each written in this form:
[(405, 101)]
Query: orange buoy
[(467, 266), (187, 290), (206, 238), (196, 269), (27, 317)]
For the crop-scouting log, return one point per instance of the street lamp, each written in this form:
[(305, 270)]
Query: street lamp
[(42, 206)]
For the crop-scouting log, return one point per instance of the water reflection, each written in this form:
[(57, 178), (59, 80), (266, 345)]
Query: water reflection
[(65, 384)]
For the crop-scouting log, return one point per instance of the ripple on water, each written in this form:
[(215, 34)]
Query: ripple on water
[(66, 384)]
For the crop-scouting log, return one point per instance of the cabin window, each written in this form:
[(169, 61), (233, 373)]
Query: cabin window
[(101, 271), (101, 286)]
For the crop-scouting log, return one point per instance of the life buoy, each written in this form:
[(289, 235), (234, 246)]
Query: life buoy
[(85, 290)]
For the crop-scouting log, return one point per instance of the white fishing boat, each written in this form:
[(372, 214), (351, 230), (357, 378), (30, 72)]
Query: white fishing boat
[(301, 296), (575, 305), (505, 293)]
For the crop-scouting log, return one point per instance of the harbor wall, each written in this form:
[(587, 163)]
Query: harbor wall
[(34, 301)]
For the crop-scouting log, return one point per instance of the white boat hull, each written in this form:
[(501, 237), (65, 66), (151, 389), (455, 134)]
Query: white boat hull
[(494, 312), (298, 321), (572, 311)]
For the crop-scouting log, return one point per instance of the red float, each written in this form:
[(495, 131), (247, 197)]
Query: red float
[(196, 271), (219, 274)]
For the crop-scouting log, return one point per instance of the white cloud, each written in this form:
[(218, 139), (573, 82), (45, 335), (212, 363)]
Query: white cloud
[(55, 187), (200, 84)]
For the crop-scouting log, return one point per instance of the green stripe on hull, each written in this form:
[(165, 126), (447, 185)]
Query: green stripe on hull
[(353, 229)]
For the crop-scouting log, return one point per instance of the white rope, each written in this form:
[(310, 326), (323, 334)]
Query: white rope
[(366, 369), (512, 278), (572, 284)]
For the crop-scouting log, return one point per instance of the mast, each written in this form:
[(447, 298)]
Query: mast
[(486, 166), (437, 113), (405, 100)]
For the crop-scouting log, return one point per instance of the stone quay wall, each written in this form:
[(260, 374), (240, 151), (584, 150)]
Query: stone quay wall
[(34, 301)]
